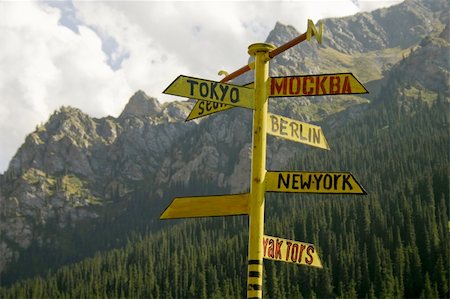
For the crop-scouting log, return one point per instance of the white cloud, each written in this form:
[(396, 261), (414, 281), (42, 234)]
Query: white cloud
[(114, 48)]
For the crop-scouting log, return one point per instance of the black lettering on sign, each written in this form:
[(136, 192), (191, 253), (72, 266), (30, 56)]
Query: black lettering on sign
[(318, 179), (346, 182), (316, 136), (192, 82), (295, 129), (201, 107), (275, 126), (234, 95), (301, 133), (204, 89), (282, 180), (305, 184), (224, 89), (213, 91), (327, 181), (295, 181), (283, 126)]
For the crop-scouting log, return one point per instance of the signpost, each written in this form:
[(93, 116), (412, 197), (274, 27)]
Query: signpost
[(218, 96), (297, 131)]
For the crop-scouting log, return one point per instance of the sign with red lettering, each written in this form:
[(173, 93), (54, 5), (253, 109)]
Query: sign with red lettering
[(295, 130), (315, 85), (289, 251), (313, 182)]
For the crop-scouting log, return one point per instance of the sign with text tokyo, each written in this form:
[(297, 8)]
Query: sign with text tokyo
[(313, 182), (295, 130), (289, 251), (212, 91), (315, 85)]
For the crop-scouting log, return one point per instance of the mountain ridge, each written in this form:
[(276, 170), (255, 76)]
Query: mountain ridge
[(75, 167)]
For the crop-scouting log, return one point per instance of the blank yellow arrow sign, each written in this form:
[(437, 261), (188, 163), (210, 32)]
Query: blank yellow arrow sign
[(289, 251), (204, 206), (313, 182), (212, 91), (295, 130)]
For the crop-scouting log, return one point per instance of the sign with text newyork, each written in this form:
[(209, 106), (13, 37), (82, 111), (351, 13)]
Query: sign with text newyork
[(289, 251), (313, 182), (212, 91), (315, 85), (295, 130)]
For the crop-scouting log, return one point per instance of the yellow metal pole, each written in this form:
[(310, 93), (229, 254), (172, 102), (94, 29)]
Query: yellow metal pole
[(256, 205)]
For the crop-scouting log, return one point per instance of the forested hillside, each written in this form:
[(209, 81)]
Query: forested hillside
[(392, 243)]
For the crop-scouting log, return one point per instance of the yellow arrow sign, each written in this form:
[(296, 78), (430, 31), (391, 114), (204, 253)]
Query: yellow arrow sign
[(284, 250), (315, 85), (313, 182), (212, 91), (204, 206), (204, 108), (295, 130)]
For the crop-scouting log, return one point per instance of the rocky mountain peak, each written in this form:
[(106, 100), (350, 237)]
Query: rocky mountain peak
[(140, 104)]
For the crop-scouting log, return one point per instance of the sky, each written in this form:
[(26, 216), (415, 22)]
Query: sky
[(94, 55)]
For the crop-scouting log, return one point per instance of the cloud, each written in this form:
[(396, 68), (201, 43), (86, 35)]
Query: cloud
[(95, 55)]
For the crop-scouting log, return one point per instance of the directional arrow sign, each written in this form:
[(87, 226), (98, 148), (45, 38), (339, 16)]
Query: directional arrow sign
[(204, 108), (212, 91), (313, 182), (315, 85), (203, 206), (284, 250), (295, 130)]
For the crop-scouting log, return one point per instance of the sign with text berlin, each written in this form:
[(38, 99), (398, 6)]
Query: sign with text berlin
[(295, 130)]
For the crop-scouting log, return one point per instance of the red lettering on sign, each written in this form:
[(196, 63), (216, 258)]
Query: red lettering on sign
[(302, 248), (288, 249), (278, 249), (335, 84), (278, 85), (270, 251), (265, 240), (346, 88), (309, 252), (295, 81), (294, 253), (305, 89), (320, 81)]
